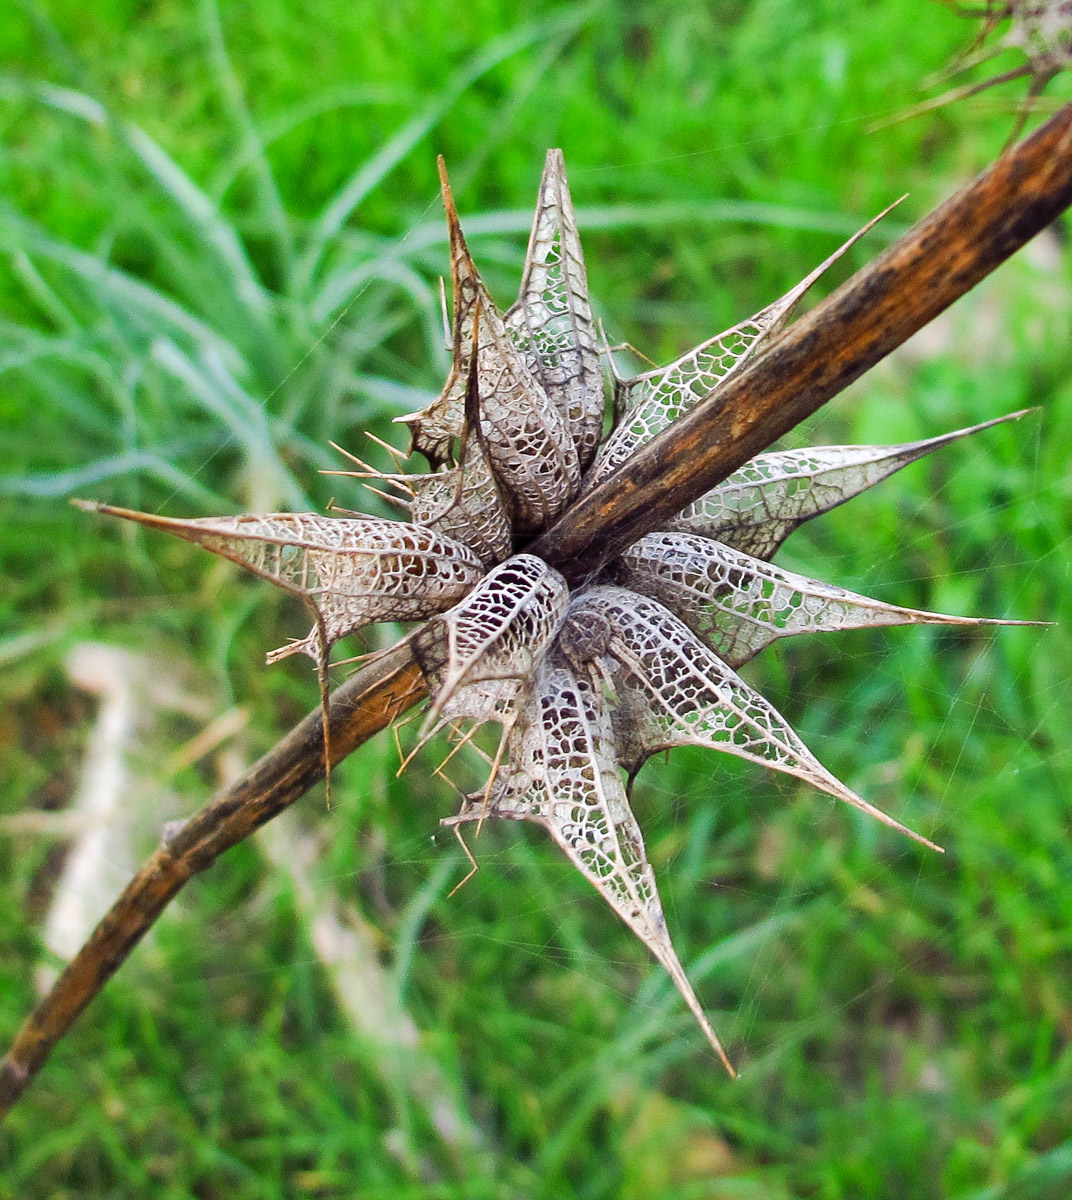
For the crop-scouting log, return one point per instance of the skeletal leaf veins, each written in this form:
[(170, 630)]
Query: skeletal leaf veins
[(584, 682)]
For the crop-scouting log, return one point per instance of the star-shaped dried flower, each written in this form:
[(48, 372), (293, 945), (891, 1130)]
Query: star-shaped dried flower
[(586, 682)]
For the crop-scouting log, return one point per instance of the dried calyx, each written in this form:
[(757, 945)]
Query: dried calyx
[(586, 682)]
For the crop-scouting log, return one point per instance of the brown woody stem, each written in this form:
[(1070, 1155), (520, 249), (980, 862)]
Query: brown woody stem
[(936, 262)]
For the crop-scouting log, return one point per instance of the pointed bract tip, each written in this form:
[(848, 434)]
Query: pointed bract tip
[(791, 298), (1013, 416), (933, 618), (918, 837), (448, 195), (912, 834), (184, 529), (720, 1053), (836, 788), (705, 1024), (128, 514)]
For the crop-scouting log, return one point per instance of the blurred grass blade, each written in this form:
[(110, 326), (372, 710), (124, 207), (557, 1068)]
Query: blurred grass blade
[(252, 146), (372, 172), (199, 209), (210, 382), (341, 285), (140, 300), (274, 128), (57, 484)]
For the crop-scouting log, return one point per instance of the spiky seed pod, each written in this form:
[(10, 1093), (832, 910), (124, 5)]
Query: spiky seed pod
[(641, 656)]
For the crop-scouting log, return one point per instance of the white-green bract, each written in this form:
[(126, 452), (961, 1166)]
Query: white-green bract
[(585, 683)]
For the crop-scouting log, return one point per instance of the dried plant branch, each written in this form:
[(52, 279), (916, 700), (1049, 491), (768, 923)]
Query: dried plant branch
[(934, 264), (940, 259)]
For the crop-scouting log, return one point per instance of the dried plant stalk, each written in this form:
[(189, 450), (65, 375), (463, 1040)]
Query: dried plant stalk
[(936, 262), (651, 402)]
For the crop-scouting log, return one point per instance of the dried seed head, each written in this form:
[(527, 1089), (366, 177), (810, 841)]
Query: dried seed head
[(641, 657)]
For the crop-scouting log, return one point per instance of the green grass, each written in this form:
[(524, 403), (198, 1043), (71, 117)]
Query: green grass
[(224, 235)]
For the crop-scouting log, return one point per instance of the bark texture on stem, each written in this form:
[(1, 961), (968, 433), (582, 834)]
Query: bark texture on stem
[(935, 263)]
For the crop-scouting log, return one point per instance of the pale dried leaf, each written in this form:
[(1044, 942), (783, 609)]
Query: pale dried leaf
[(352, 571), (739, 604), (523, 434), (525, 437), (674, 691), (563, 775), (436, 429), (464, 503), (650, 402), (478, 656), (757, 507), (552, 321)]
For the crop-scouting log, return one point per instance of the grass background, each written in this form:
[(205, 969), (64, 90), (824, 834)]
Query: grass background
[(223, 234)]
